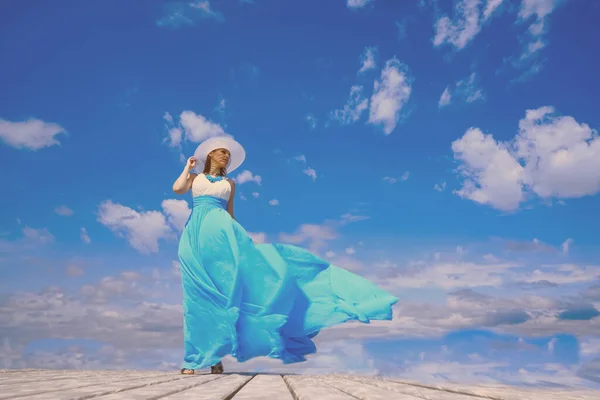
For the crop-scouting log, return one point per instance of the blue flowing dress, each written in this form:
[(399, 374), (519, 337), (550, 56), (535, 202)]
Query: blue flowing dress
[(248, 300)]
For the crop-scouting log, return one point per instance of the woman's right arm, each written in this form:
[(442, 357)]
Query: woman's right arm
[(184, 182)]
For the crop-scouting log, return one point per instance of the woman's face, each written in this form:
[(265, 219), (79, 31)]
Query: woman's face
[(220, 157)]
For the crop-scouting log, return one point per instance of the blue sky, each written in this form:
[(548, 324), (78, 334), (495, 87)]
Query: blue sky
[(447, 150)]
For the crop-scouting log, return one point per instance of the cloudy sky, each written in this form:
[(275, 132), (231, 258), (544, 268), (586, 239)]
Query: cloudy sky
[(447, 150)]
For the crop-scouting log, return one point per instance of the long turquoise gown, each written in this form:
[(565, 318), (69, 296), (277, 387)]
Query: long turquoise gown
[(250, 300)]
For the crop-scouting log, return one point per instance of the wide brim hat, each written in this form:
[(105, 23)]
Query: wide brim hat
[(237, 154)]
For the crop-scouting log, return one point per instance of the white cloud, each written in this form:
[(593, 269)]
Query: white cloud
[(368, 59), (551, 156), (390, 94), (308, 171), (41, 236), (357, 3), (465, 89), (566, 246), (85, 237), (255, 195), (439, 186), (490, 7), (32, 134), (64, 211), (177, 212), (491, 174), (538, 12), (247, 176), (468, 21), (390, 179), (445, 98), (463, 29), (192, 127), (562, 156), (143, 230), (311, 172), (357, 104), (274, 202)]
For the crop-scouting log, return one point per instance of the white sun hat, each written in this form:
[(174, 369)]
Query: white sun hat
[(236, 151)]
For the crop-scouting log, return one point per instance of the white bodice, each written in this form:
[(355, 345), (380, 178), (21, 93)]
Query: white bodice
[(203, 187)]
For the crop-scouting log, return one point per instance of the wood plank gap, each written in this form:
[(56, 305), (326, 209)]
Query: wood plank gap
[(239, 388)]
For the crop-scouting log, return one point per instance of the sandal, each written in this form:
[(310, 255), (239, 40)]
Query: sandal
[(187, 371), (217, 368)]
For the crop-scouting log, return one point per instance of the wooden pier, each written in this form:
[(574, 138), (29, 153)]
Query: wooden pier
[(137, 385)]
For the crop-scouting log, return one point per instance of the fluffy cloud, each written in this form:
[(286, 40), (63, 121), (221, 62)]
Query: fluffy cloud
[(490, 172), (551, 156), (143, 230), (460, 31), (368, 59), (32, 134), (192, 127), (177, 212), (247, 176), (390, 94)]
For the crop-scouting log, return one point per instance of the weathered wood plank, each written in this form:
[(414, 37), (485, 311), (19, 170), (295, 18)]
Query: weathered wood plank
[(403, 389), (502, 392), (311, 388), (156, 385), (265, 386), (85, 388), (219, 389), (365, 392), (161, 390), (80, 376)]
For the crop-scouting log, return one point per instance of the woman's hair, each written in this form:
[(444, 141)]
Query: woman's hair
[(222, 172)]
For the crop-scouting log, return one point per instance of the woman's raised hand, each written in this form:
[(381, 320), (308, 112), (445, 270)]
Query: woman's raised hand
[(191, 163)]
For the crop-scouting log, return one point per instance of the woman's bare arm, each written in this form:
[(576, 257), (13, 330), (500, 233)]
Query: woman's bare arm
[(184, 182)]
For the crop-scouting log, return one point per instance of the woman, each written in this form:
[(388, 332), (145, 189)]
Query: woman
[(248, 299)]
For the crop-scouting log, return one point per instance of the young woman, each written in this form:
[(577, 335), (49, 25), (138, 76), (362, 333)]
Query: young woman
[(247, 299)]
